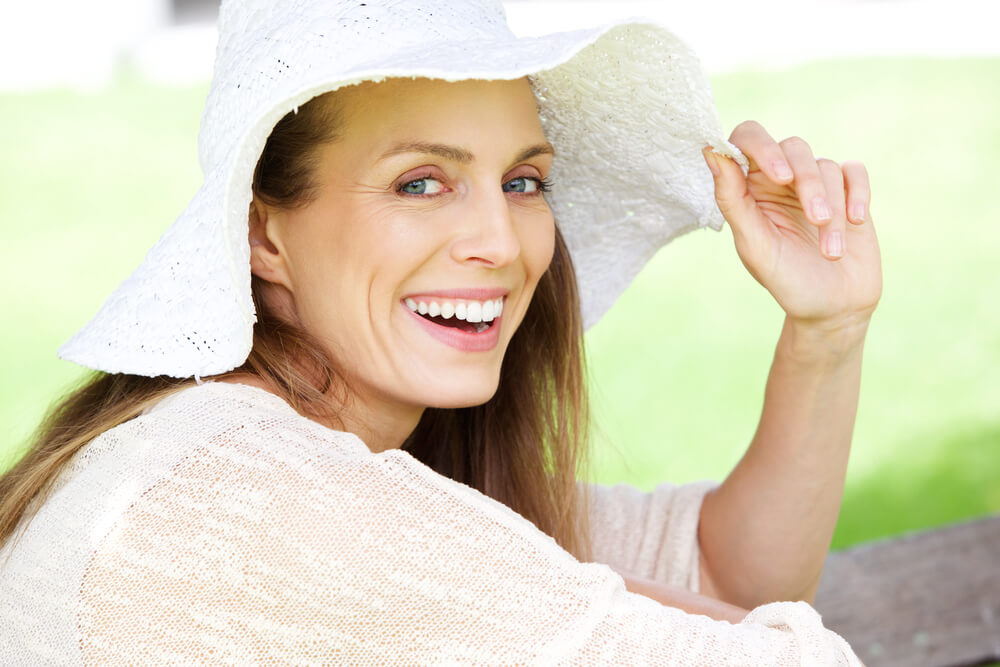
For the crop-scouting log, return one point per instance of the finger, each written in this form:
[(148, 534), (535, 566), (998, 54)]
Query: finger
[(809, 183), (734, 200), (832, 238), (763, 151), (859, 193)]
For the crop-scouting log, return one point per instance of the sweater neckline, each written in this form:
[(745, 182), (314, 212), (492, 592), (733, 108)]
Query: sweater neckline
[(256, 396), (244, 391)]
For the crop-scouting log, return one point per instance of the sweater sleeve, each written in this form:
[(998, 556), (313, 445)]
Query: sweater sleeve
[(261, 553), (652, 535)]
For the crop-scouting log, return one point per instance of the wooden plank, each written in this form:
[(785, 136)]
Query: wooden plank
[(929, 599)]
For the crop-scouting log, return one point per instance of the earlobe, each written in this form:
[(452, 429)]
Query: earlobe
[(267, 261)]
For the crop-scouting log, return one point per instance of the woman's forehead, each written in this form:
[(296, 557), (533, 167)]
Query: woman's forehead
[(395, 115), (405, 99)]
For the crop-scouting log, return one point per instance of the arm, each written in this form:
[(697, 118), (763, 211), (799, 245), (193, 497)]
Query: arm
[(770, 523), (650, 535), (765, 531), (683, 599)]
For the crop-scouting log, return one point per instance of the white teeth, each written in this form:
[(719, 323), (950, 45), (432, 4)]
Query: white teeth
[(471, 311), (475, 312)]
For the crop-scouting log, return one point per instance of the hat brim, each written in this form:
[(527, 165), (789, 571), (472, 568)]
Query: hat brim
[(626, 105)]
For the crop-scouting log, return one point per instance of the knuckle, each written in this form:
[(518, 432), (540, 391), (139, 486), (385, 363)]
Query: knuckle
[(795, 142), (856, 176), (827, 164), (830, 170), (854, 165), (811, 182), (747, 127)]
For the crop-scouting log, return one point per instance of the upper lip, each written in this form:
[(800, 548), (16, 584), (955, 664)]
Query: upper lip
[(470, 293)]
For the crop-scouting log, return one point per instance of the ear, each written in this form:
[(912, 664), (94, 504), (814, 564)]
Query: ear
[(267, 258)]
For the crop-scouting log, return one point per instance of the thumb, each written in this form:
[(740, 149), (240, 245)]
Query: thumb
[(731, 193)]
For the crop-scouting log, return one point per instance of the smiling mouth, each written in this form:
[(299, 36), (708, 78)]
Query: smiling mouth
[(472, 317), (467, 327)]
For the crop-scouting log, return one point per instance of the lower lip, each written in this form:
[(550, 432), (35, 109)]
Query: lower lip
[(458, 339)]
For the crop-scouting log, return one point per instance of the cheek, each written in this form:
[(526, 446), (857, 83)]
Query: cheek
[(352, 261), (327, 274), (538, 242)]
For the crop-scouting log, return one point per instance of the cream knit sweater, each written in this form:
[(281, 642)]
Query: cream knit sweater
[(221, 527)]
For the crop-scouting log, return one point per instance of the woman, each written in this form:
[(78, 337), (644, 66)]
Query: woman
[(381, 169)]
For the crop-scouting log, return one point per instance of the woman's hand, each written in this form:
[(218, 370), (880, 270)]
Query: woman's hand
[(803, 228)]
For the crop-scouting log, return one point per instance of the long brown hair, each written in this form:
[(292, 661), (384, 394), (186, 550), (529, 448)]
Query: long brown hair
[(525, 447)]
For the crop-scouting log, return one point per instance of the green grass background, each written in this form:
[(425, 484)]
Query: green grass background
[(89, 181)]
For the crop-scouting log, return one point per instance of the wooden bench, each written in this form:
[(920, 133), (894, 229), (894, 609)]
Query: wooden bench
[(928, 599)]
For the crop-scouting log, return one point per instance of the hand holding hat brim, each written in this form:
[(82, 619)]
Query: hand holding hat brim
[(792, 230)]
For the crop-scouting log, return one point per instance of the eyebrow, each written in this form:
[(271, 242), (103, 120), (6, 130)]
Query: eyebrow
[(457, 154), (532, 151)]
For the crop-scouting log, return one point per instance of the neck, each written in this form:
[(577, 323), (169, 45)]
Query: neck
[(380, 424)]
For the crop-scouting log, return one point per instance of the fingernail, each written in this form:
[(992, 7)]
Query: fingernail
[(712, 160), (858, 212), (783, 171), (834, 242), (821, 211)]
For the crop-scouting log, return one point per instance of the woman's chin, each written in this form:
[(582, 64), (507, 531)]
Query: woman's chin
[(460, 395)]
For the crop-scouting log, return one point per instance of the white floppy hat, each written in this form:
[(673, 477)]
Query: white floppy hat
[(625, 105)]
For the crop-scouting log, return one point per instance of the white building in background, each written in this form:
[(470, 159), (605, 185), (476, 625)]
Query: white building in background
[(84, 43)]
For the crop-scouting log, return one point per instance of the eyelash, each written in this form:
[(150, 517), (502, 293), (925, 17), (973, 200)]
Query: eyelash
[(544, 185)]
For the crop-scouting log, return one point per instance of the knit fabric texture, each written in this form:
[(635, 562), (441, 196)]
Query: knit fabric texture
[(221, 527)]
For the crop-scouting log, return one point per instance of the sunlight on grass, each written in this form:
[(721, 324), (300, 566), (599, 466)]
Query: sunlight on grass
[(88, 182)]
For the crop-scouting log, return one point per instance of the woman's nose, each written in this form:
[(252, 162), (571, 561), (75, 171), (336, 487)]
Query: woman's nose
[(489, 235)]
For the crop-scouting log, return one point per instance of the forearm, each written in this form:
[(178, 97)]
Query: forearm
[(765, 532)]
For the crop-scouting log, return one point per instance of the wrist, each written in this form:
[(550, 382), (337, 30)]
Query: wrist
[(827, 341)]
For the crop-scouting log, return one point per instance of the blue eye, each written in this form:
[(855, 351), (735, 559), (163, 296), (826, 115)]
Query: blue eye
[(526, 185), (422, 186), (521, 184)]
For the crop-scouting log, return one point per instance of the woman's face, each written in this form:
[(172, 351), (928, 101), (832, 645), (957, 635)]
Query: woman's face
[(417, 260)]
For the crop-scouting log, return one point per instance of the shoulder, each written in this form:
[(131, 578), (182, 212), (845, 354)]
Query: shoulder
[(211, 443), (246, 453), (241, 415)]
